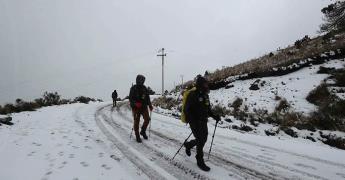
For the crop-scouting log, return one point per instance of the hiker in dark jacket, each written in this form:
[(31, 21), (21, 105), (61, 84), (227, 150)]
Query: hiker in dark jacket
[(114, 96), (197, 111), (140, 102)]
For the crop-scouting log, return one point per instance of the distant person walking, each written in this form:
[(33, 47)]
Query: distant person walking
[(114, 96), (140, 102), (197, 110)]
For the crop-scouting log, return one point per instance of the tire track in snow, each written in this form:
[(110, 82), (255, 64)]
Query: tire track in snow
[(276, 149), (286, 152), (176, 169), (272, 148), (239, 170), (130, 155), (159, 159), (221, 159)]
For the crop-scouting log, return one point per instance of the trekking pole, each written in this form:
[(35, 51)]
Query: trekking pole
[(150, 124), (214, 132), (130, 137), (182, 146)]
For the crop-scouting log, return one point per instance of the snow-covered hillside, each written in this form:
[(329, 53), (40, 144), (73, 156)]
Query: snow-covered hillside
[(257, 113), (294, 87), (92, 142)]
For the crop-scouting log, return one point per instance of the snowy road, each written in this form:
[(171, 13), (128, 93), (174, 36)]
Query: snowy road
[(92, 142)]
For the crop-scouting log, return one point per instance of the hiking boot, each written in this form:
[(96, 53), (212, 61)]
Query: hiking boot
[(143, 133), (202, 165), (138, 139), (187, 149)]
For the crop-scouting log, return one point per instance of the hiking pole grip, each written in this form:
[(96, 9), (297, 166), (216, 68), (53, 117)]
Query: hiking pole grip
[(214, 132), (182, 145)]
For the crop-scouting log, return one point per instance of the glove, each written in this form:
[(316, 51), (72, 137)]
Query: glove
[(217, 118), (138, 105), (151, 107)]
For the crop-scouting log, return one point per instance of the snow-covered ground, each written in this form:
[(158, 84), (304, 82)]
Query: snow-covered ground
[(294, 87), (93, 142)]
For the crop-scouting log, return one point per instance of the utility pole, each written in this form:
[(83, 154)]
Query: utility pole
[(162, 55)]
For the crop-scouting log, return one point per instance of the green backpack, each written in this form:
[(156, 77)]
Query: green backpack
[(184, 101)]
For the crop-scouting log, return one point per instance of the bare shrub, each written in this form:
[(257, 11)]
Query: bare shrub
[(320, 95), (283, 106), (220, 110)]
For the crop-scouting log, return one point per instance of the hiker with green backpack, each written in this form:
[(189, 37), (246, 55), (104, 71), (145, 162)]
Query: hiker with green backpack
[(196, 109)]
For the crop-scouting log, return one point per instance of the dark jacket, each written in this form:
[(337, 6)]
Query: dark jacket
[(198, 107), (114, 95), (139, 93)]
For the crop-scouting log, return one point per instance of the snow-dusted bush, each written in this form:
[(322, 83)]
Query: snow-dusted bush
[(320, 95), (272, 132), (283, 106), (220, 110), (39, 101), (277, 98), (340, 78), (245, 128), (51, 98), (333, 140), (237, 104), (325, 70), (290, 132), (83, 99), (330, 116), (48, 99), (8, 108), (166, 102)]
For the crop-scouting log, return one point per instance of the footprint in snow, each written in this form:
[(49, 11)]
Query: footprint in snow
[(32, 153), (87, 147), (71, 156), (106, 167), (99, 141), (100, 155), (36, 144), (84, 164), (115, 158), (63, 164), (75, 147)]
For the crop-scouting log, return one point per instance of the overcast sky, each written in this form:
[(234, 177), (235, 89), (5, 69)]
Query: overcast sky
[(84, 47)]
